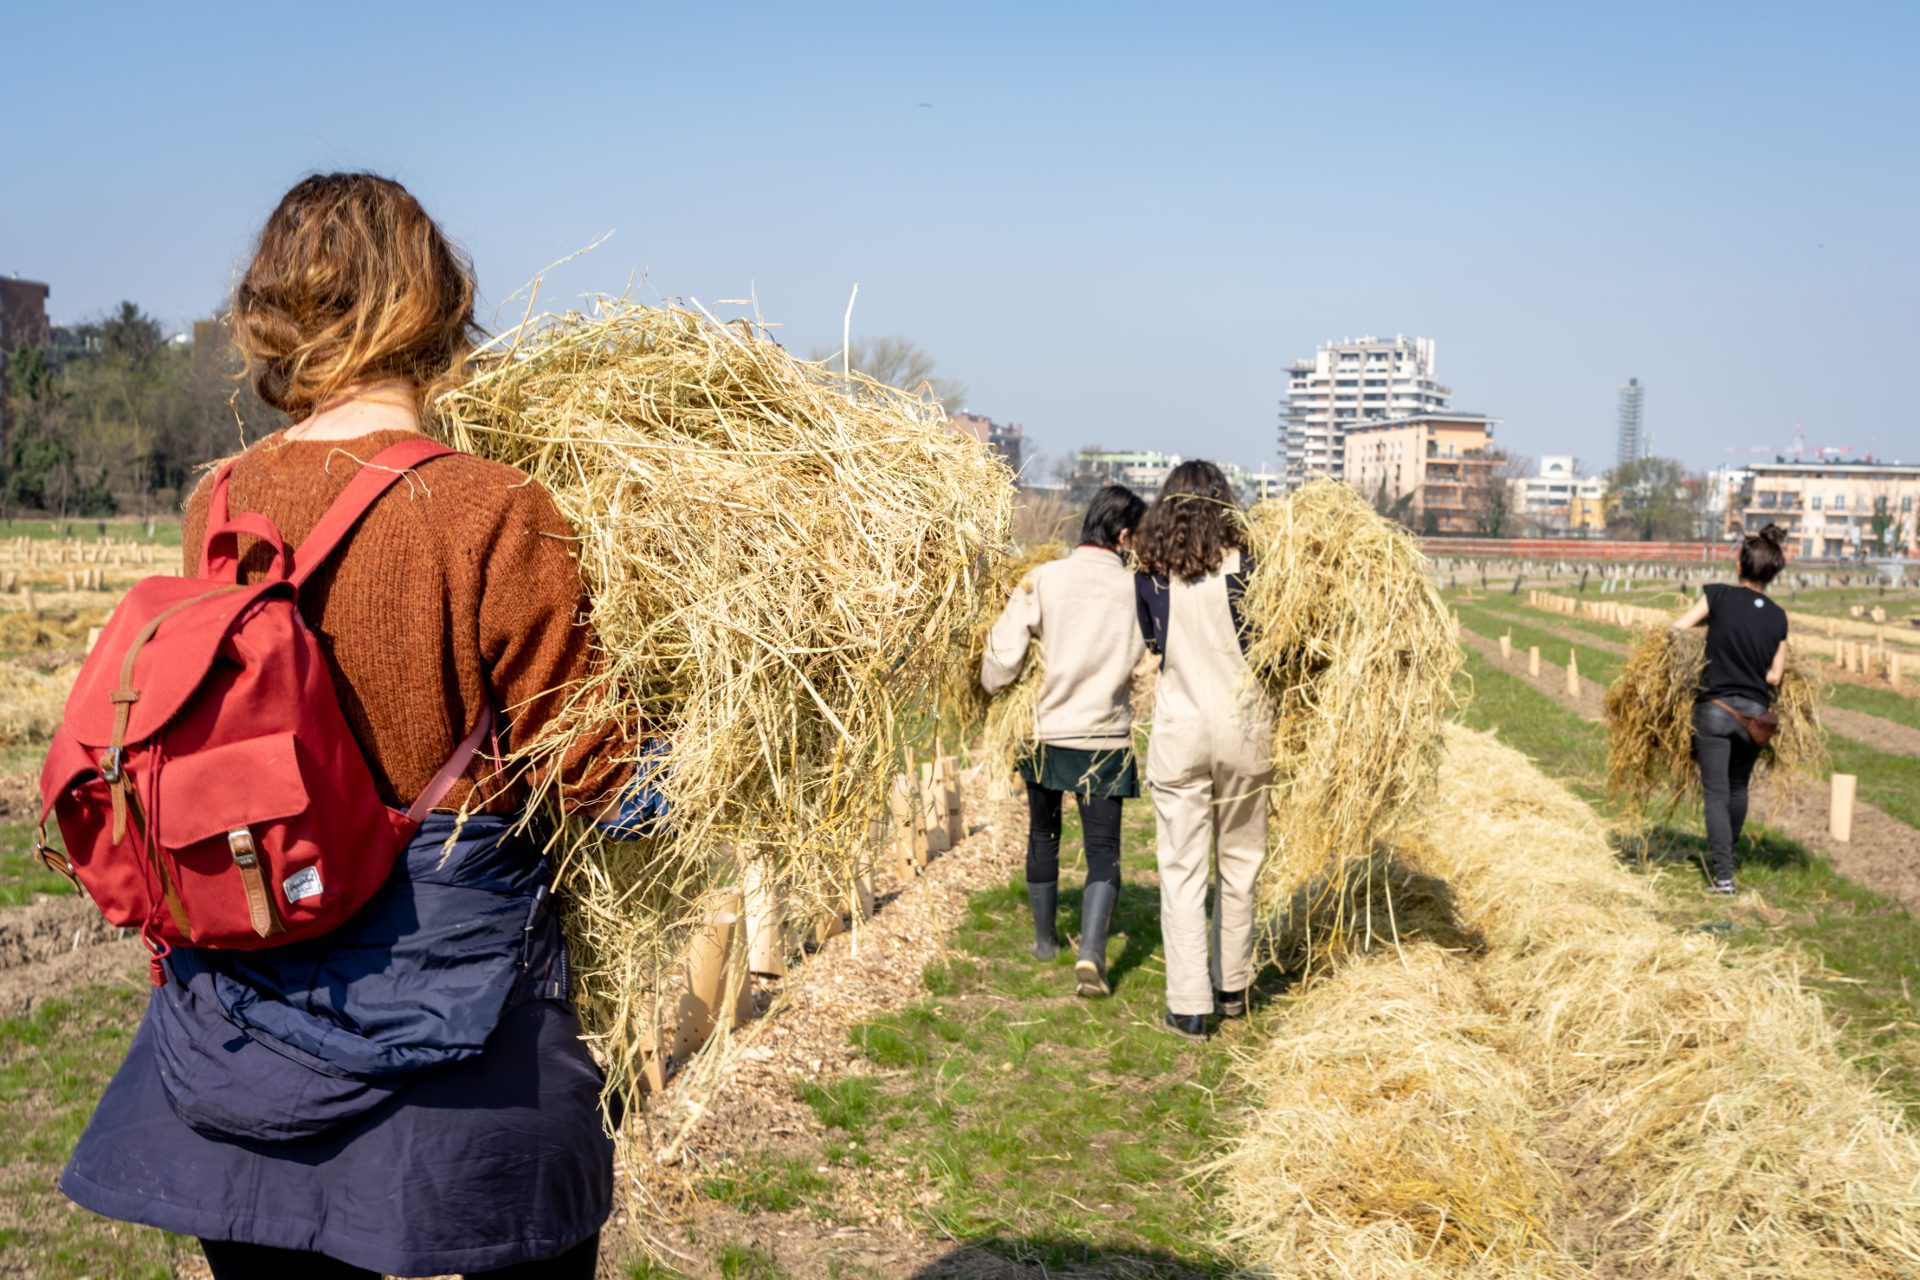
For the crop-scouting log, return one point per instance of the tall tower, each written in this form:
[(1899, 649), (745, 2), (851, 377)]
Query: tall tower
[(1633, 438)]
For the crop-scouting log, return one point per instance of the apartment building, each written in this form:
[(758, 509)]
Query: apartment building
[(1346, 383), (1141, 470), (1430, 464), (1831, 510), (23, 323), (1561, 500), (1007, 440)]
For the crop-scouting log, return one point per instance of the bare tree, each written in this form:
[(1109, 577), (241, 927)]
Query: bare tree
[(898, 362)]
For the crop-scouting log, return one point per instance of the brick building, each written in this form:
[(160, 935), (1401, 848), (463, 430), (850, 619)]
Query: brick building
[(1003, 440)]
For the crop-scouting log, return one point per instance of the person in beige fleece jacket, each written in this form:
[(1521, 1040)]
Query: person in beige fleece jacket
[(1080, 609)]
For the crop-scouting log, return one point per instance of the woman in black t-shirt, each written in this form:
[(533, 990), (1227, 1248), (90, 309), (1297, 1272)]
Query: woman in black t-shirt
[(1746, 656)]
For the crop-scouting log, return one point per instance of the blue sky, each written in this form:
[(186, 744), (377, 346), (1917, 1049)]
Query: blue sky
[(1116, 223)]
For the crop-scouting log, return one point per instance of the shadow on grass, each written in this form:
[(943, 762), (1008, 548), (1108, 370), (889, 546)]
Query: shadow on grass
[(1005, 1257), (1666, 846)]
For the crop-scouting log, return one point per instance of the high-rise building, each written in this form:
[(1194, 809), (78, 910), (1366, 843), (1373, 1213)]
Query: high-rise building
[(1348, 382), (1633, 436)]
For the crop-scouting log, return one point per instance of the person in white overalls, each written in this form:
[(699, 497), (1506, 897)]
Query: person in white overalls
[(1209, 760)]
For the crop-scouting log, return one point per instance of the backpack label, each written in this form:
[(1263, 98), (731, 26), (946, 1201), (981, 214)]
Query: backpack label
[(304, 883)]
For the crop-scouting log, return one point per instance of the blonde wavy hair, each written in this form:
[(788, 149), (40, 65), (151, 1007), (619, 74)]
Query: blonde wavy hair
[(352, 282)]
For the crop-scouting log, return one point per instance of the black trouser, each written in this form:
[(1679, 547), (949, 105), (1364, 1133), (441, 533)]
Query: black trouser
[(1099, 825), (1726, 756), (232, 1261)]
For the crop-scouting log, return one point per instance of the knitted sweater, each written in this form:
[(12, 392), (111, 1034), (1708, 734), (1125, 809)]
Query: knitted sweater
[(459, 588)]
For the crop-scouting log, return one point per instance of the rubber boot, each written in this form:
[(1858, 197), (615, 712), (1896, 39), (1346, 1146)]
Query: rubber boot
[(1044, 899), (1096, 912)]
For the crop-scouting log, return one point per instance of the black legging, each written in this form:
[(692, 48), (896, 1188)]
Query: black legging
[(232, 1261), (1726, 756), (1099, 825)]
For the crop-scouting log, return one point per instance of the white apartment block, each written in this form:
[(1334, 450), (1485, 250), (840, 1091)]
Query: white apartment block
[(1554, 500), (1347, 382)]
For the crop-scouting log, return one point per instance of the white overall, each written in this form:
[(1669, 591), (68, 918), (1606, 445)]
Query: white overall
[(1208, 767)]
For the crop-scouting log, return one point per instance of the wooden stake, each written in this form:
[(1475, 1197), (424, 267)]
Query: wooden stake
[(1533, 661), (1506, 646), (1840, 812), (1573, 674)]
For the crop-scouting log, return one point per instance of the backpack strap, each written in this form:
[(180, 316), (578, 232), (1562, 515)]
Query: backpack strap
[(455, 766), (376, 476)]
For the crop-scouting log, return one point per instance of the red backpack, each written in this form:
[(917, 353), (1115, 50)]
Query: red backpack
[(207, 785)]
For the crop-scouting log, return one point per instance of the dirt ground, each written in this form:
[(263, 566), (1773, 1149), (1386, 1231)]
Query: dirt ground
[(1884, 854)]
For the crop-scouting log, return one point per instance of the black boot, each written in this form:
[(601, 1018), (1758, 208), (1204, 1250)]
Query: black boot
[(1230, 1004), (1096, 913), (1191, 1025), (1043, 899)]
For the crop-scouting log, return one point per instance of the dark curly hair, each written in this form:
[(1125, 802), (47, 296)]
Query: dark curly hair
[(1762, 554), (1192, 525)]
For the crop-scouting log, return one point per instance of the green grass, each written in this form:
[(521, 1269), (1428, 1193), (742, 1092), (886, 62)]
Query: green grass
[(1885, 703), (1050, 1129), (21, 874), (54, 1061), (166, 530), (1887, 780), (1492, 623)]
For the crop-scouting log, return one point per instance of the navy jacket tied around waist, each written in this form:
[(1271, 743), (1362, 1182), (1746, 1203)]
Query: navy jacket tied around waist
[(291, 1041)]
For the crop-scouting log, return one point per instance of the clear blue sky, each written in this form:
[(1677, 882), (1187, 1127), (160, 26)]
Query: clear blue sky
[(1116, 224)]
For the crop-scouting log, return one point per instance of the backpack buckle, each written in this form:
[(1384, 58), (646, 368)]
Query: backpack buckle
[(240, 844), (110, 770)]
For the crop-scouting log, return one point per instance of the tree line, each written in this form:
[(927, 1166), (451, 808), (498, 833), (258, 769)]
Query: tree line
[(115, 419)]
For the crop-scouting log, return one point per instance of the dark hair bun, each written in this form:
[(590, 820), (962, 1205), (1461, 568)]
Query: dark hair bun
[(1774, 533)]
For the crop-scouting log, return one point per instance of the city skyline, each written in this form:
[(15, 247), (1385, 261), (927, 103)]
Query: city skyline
[(1222, 189)]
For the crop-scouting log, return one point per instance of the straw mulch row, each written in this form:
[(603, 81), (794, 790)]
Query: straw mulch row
[(1649, 719), (1356, 655), (32, 702), (1546, 1080), (779, 560)]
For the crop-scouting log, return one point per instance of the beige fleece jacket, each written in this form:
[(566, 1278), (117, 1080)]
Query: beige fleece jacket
[(1080, 608)]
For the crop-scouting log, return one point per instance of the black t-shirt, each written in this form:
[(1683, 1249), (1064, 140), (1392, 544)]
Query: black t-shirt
[(1744, 631)]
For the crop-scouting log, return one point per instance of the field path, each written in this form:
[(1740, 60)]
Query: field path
[(1884, 854)]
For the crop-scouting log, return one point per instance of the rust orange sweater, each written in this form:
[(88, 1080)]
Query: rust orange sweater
[(459, 588)]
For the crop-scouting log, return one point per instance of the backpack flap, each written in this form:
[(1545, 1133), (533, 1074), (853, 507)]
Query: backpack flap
[(172, 629)]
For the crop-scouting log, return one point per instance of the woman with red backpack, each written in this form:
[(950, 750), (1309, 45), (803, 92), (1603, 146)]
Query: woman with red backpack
[(405, 1093)]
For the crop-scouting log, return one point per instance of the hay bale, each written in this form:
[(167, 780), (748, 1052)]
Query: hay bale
[(779, 561), (1357, 654), (1649, 720), (1642, 1094)]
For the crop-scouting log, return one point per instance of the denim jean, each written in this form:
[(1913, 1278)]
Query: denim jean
[(1726, 757)]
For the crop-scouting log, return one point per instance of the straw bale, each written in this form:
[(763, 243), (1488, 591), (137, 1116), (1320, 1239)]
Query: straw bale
[(1356, 655), (1649, 719), (32, 702), (1687, 1111), (779, 560)]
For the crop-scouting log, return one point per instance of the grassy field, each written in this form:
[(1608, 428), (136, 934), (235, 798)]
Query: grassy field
[(161, 531), (1050, 1129)]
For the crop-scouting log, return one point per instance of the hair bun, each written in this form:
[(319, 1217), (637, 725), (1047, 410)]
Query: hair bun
[(1774, 533)]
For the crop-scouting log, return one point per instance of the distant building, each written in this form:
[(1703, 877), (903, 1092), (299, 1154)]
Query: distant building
[(1142, 471), (1258, 486), (1346, 383), (1428, 465), (23, 323), (1560, 500), (1007, 441), (1831, 510), (1633, 442)]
